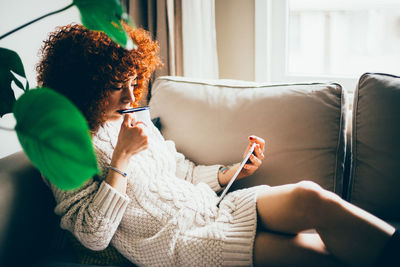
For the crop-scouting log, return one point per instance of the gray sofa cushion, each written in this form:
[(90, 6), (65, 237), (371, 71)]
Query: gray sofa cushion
[(375, 173), (303, 125)]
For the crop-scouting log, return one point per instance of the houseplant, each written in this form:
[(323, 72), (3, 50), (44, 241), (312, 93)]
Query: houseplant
[(51, 130)]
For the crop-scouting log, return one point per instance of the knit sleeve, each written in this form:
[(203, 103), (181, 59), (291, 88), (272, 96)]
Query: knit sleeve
[(92, 213), (188, 170)]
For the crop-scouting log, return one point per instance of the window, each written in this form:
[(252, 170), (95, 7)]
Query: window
[(335, 40)]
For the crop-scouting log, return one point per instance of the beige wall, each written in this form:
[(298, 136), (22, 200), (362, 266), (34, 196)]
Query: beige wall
[(235, 38)]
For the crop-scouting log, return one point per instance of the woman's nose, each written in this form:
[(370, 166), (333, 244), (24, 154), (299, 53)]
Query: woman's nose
[(128, 96)]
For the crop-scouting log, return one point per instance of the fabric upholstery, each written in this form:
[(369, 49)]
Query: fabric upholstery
[(210, 121), (27, 220), (29, 229), (303, 126), (375, 173)]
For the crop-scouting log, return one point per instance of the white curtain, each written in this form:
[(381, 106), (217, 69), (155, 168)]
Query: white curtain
[(163, 19), (199, 42)]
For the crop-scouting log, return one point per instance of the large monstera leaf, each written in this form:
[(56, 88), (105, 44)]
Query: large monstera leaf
[(99, 15), (106, 16), (55, 137), (9, 62), (51, 130)]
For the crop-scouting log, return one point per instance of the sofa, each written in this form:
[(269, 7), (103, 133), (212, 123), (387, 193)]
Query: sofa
[(312, 132)]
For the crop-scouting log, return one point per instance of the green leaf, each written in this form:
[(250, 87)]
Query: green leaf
[(105, 15), (9, 61), (55, 137)]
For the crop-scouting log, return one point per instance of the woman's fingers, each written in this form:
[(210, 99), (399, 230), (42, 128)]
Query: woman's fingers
[(258, 149), (256, 157), (251, 168), (255, 160), (140, 122), (132, 137), (257, 140), (258, 152), (144, 147), (128, 118)]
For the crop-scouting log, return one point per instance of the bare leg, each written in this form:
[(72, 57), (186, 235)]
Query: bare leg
[(304, 249), (350, 233)]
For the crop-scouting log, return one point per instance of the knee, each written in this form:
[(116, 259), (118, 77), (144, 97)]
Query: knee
[(308, 196), (307, 191), (312, 199)]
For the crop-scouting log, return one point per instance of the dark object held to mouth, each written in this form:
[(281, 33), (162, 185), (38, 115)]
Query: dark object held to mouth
[(131, 110)]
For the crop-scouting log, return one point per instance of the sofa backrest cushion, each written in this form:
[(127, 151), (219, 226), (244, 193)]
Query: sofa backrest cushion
[(375, 172), (303, 126)]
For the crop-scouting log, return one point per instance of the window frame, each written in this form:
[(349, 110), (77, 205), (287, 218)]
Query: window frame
[(271, 53)]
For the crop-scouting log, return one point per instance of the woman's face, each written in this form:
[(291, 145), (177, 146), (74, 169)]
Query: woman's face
[(121, 98)]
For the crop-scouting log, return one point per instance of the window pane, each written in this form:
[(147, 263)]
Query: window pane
[(343, 37)]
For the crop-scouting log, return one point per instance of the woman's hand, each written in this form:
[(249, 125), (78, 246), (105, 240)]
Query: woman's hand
[(131, 139), (226, 173), (256, 157)]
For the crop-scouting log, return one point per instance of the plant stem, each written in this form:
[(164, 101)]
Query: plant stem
[(7, 129), (42, 17)]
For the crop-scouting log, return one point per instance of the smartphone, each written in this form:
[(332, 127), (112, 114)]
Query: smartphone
[(249, 161), (245, 159)]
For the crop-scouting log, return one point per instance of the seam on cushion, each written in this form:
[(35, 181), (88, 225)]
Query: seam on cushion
[(244, 86), (354, 137), (381, 74), (342, 114)]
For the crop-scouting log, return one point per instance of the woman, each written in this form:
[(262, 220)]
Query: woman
[(158, 208)]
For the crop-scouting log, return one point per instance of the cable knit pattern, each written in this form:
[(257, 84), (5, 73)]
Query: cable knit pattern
[(168, 216)]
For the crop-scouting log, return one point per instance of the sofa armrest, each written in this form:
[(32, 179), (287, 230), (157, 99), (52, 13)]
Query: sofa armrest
[(27, 221)]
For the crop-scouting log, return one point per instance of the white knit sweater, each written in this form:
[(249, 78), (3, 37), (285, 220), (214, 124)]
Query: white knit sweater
[(168, 216)]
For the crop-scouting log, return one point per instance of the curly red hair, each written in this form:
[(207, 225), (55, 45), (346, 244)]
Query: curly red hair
[(85, 65)]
